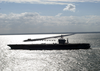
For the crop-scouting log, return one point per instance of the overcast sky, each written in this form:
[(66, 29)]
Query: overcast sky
[(46, 16)]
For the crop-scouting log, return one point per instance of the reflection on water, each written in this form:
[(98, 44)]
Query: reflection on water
[(54, 60), (60, 60)]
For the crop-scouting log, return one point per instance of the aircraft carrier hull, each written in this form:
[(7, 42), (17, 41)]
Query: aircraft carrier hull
[(49, 46)]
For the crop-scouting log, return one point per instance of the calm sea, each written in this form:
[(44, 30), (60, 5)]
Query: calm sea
[(50, 60)]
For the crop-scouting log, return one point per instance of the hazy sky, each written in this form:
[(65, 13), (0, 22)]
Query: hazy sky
[(41, 16)]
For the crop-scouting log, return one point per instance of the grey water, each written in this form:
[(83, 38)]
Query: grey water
[(50, 60)]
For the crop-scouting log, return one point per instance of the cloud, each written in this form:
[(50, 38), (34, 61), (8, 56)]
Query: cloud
[(35, 23), (36, 1), (59, 14), (60, 2), (70, 7)]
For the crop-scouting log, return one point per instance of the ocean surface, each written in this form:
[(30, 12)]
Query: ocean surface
[(50, 60)]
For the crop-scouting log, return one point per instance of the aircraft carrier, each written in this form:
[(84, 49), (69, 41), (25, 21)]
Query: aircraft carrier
[(50, 46), (62, 45)]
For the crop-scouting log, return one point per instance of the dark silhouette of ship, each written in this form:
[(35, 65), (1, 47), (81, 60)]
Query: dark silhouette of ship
[(62, 44)]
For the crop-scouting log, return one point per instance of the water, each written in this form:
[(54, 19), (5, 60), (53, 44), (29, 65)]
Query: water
[(50, 60)]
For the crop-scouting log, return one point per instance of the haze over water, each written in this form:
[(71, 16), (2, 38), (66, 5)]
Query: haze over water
[(50, 60)]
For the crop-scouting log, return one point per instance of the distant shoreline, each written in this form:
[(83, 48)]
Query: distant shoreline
[(50, 33)]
